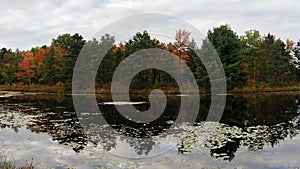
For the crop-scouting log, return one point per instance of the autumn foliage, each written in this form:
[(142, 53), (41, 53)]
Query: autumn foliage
[(251, 60)]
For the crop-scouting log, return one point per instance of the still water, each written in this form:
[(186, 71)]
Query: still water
[(255, 131)]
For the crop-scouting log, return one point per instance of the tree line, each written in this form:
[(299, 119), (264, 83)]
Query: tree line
[(249, 60)]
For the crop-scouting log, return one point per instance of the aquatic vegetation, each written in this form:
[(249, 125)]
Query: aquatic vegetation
[(15, 119), (224, 140)]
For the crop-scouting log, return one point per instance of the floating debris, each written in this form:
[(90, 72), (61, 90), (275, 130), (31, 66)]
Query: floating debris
[(121, 103)]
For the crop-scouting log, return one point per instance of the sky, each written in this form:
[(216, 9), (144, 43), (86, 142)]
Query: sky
[(28, 23)]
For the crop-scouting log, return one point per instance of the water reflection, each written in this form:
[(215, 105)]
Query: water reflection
[(251, 121)]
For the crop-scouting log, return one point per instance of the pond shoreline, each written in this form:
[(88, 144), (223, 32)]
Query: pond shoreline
[(59, 89)]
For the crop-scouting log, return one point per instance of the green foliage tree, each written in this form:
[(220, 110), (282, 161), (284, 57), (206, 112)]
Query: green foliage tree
[(10, 66), (108, 64), (276, 62), (296, 60), (196, 65), (149, 78), (53, 70), (4, 51), (252, 42), (72, 45), (296, 51), (140, 41), (228, 46)]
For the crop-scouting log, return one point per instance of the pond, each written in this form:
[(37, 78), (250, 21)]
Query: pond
[(255, 131)]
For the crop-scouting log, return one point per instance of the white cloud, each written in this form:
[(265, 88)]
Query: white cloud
[(29, 23)]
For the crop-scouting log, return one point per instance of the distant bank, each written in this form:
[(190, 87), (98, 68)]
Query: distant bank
[(61, 89)]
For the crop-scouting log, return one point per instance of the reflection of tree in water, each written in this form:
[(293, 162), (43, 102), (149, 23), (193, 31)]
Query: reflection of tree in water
[(142, 146), (223, 140), (43, 115), (15, 116), (102, 135), (254, 110), (251, 121), (266, 120), (139, 139), (227, 151), (61, 123), (139, 136), (65, 129)]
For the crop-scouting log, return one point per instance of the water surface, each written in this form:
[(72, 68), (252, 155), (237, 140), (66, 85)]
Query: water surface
[(256, 131)]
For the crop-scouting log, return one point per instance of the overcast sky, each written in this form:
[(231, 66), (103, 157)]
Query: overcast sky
[(27, 23)]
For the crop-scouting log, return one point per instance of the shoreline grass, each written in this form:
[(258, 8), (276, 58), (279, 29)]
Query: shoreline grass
[(59, 88), (12, 165), (266, 89)]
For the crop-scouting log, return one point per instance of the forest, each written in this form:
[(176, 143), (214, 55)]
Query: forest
[(250, 61)]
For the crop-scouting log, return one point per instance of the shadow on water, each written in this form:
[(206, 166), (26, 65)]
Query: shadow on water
[(249, 120)]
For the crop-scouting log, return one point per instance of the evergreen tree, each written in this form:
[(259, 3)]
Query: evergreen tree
[(228, 46), (252, 42), (296, 61), (147, 78), (72, 45), (276, 62)]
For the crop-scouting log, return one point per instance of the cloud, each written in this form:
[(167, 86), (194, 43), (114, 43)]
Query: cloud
[(33, 23)]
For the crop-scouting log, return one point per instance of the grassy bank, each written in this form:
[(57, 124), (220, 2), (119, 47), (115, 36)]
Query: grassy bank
[(143, 91), (11, 165), (59, 88), (202, 91), (266, 89)]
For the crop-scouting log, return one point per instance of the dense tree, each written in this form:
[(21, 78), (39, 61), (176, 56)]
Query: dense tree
[(296, 51), (38, 64), (252, 42), (71, 46), (110, 61), (4, 51), (191, 52), (140, 41), (25, 71), (53, 70), (71, 43), (196, 65), (296, 60), (276, 62), (10, 66), (228, 46), (251, 59), (149, 78), (26, 67)]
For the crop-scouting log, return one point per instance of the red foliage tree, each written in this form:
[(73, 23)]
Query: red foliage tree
[(25, 72)]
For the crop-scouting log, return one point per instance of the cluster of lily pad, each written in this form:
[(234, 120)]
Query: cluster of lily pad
[(14, 118), (224, 140)]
